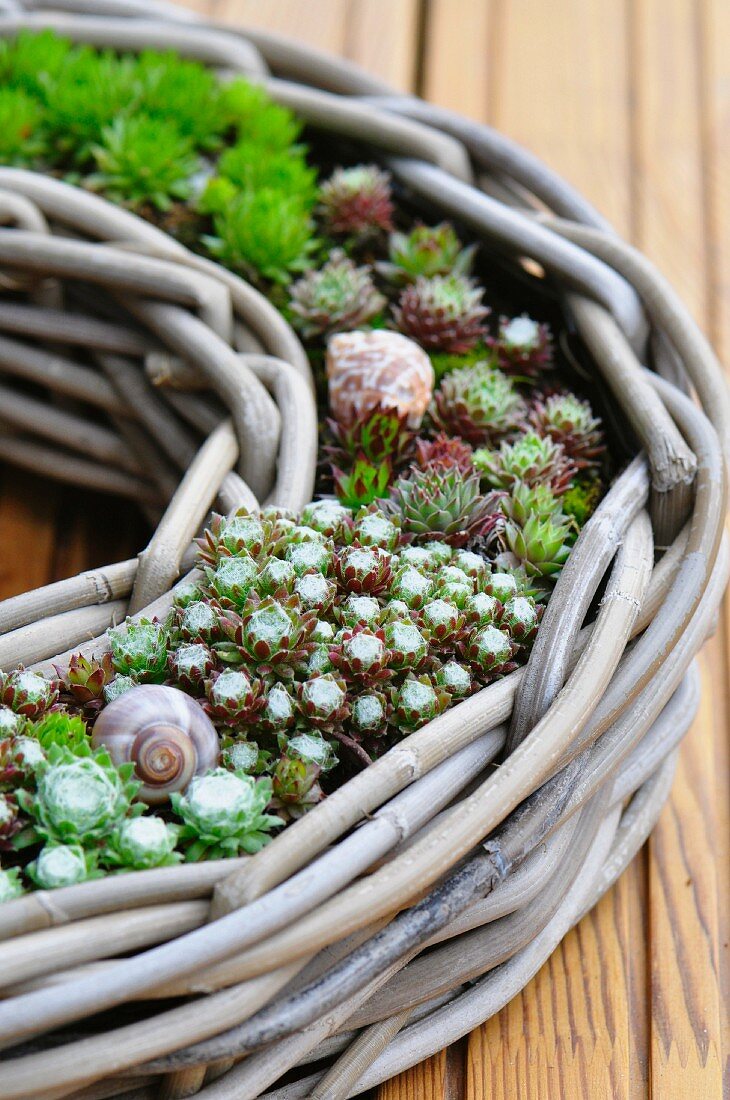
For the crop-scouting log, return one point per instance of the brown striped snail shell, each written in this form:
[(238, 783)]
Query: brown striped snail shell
[(378, 369), (164, 733)]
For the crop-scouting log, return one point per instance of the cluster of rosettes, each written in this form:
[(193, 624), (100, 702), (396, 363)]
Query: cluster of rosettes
[(327, 634)]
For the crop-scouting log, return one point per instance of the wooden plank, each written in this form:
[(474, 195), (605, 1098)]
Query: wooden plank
[(571, 1032), (671, 227), (28, 511), (715, 97)]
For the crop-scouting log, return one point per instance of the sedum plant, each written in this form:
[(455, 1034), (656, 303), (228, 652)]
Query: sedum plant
[(142, 159)]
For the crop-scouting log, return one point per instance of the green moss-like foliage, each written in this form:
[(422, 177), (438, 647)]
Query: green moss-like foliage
[(147, 131)]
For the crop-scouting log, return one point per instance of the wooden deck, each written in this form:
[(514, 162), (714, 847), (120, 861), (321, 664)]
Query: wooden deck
[(630, 100)]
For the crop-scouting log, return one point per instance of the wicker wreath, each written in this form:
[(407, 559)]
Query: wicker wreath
[(302, 956)]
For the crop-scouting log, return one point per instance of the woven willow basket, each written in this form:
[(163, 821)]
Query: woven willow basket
[(314, 951)]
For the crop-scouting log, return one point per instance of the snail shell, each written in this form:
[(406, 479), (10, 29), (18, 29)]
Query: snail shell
[(371, 369), (164, 733)]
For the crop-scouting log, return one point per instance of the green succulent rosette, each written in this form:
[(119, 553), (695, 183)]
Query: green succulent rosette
[(139, 843), (63, 865), (10, 885), (80, 799), (224, 814)]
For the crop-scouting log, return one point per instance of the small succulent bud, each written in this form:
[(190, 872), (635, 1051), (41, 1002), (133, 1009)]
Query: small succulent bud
[(357, 201), (85, 678), (323, 700), (276, 576), (224, 814), (184, 593), (432, 501), (329, 517), (440, 552), (530, 460), (315, 592), (478, 404), (10, 722), (417, 702), (361, 655), (310, 556), (521, 617), (245, 756), (523, 346), (20, 755), (444, 452), (482, 609), (489, 649), (140, 650), (10, 885), (337, 298), (503, 586), (570, 422), (27, 693), (408, 646), (233, 697), (540, 546), (295, 786), (61, 728), (418, 557), (118, 686), (370, 713), (426, 251), (199, 622), (443, 621), (361, 569), (11, 821), (279, 711), (374, 528), (473, 565), (239, 533), (396, 611), (360, 609), (312, 748), (60, 865), (444, 313), (139, 843), (233, 579), (411, 586), (323, 631), (191, 664), (319, 660), (454, 678)]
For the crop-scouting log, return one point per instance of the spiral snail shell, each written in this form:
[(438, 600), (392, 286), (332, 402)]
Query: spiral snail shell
[(164, 733)]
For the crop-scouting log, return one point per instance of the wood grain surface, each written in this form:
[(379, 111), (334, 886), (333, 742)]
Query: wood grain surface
[(630, 101)]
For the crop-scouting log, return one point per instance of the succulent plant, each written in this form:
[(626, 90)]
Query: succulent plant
[(312, 748), (85, 678), (323, 700), (295, 786), (569, 421), (356, 202), (140, 650), (10, 885), (307, 556), (373, 528), (233, 697), (240, 533), (20, 119), (27, 693), (20, 755), (540, 546), (232, 579), (442, 503), (531, 460), (11, 723), (265, 234), (361, 655), (444, 313), (191, 664), (139, 843), (249, 165), (523, 347), (329, 518), (443, 620), (118, 686), (62, 729), (363, 569), (444, 451), (143, 159), (224, 814), (239, 755), (199, 622), (370, 714), (478, 404), (418, 701), (520, 616), (488, 650), (411, 586), (337, 298), (407, 644), (426, 251), (79, 799), (454, 678), (359, 609), (60, 865), (364, 483), (379, 435)]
